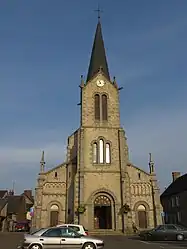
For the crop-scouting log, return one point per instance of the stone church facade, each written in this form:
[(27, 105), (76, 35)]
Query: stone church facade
[(98, 186)]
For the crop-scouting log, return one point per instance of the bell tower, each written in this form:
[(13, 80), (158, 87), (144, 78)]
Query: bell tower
[(99, 95), (102, 144)]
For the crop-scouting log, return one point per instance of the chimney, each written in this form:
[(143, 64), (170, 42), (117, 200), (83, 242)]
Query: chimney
[(175, 175), (28, 193), (10, 192)]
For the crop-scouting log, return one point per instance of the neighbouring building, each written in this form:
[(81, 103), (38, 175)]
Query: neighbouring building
[(3, 194), (3, 209), (174, 200), (13, 208), (29, 199), (97, 185)]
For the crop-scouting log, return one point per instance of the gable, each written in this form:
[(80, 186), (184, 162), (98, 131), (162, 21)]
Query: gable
[(3, 202), (28, 200), (28, 196), (3, 193), (136, 174), (15, 203), (56, 174)]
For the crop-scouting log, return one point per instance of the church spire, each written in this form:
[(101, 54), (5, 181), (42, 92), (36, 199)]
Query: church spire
[(98, 60)]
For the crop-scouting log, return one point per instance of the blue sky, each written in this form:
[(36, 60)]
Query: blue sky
[(44, 48)]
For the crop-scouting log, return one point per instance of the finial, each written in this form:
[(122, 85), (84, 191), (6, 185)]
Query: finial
[(42, 159), (151, 164), (150, 157), (82, 82), (42, 163), (114, 82), (99, 11)]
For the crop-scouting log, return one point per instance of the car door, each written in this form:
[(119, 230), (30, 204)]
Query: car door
[(70, 239), (51, 239), (159, 233), (182, 229), (171, 231)]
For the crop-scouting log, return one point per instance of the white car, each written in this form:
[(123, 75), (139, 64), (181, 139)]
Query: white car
[(59, 237), (78, 228)]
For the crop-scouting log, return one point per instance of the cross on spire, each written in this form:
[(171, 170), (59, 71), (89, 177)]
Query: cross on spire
[(99, 11), (98, 58)]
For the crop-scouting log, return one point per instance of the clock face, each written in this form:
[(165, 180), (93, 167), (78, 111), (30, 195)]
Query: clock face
[(100, 82)]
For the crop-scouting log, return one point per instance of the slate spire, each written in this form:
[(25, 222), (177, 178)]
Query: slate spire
[(98, 60)]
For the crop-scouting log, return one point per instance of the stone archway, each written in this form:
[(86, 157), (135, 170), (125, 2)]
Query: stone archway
[(142, 216), (54, 215), (102, 212)]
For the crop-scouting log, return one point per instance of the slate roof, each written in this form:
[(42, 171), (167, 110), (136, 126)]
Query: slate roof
[(14, 203), (31, 198), (98, 56), (2, 203), (178, 186), (2, 193)]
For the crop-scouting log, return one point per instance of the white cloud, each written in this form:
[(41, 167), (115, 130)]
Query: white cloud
[(162, 132)]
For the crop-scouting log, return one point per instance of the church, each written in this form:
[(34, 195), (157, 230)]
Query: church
[(97, 186)]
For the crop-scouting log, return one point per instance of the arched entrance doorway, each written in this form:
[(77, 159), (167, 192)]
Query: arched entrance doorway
[(54, 214), (142, 216), (102, 212)]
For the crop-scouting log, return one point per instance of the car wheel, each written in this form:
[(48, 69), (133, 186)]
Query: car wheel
[(180, 237), (89, 246), (35, 246)]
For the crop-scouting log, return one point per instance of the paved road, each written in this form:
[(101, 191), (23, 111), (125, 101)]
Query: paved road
[(120, 242), (11, 240), (160, 244)]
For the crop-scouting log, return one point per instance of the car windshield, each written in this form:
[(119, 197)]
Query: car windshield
[(157, 228), (32, 233)]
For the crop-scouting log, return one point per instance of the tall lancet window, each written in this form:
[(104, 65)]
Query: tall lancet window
[(107, 154), (97, 107), (95, 151), (101, 151), (104, 107)]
